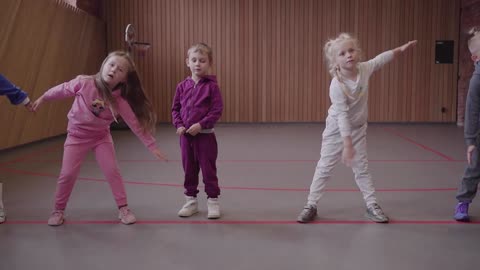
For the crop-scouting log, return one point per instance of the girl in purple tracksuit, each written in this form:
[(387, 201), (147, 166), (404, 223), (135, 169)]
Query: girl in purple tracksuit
[(115, 90), (196, 108), (16, 97)]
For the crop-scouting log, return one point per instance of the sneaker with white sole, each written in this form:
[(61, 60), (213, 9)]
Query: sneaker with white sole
[(308, 214), (213, 207), (190, 208), (375, 213), (56, 218), (126, 216), (3, 216)]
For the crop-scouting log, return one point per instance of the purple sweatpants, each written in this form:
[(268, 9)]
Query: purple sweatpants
[(200, 152), (74, 153)]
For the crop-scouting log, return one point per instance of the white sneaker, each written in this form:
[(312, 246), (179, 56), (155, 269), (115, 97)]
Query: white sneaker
[(213, 208), (3, 216), (126, 216), (189, 208)]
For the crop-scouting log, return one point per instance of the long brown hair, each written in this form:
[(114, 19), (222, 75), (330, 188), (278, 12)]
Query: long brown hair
[(132, 91)]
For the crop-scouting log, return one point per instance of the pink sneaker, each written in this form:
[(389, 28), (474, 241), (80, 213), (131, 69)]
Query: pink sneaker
[(56, 218), (126, 216)]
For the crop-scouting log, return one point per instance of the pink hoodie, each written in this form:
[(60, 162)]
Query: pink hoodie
[(90, 116)]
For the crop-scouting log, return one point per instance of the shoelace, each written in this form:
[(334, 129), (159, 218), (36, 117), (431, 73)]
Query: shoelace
[(190, 203), (462, 207), (308, 210), (57, 213), (377, 210), (124, 211)]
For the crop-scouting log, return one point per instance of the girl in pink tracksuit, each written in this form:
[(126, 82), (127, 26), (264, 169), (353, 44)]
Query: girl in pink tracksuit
[(115, 90)]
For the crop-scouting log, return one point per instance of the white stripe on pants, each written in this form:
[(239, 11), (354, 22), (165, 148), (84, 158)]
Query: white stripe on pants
[(330, 155)]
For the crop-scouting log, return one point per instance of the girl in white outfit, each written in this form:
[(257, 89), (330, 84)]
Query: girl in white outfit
[(346, 124)]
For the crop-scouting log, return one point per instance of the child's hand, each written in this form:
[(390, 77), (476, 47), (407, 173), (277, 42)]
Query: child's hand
[(470, 150), (37, 104), (29, 106), (194, 129), (181, 131), (159, 154), (347, 155), (408, 45)]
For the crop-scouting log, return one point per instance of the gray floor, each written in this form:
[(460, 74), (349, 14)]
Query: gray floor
[(265, 172)]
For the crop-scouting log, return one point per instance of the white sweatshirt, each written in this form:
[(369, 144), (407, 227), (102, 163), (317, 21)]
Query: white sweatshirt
[(350, 104)]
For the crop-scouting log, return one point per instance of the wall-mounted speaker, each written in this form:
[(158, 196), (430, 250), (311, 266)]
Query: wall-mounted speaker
[(444, 51)]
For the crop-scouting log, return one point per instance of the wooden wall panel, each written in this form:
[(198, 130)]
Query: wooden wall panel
[(44, 43), (268, 53)]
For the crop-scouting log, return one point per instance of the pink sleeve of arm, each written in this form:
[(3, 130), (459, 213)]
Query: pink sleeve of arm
[(129, 117), (64, 90)]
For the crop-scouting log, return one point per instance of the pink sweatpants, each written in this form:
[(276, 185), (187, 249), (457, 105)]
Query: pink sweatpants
[(74, 153)]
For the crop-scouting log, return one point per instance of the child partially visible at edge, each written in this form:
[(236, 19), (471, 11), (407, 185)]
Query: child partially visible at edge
[(196, 108), (471, 177), (16, 97)]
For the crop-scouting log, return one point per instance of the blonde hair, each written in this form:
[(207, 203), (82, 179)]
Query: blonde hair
[(331, 50), (474, 39), (203, 49), (132, 91)]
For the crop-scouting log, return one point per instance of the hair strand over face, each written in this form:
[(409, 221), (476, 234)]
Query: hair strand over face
[(132, 91)]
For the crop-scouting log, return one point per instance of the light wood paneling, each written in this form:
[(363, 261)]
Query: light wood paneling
[(44, 43), (268, 53)]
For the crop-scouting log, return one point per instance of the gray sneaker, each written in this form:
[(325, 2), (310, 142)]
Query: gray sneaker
[(308, 214), (375, 213)]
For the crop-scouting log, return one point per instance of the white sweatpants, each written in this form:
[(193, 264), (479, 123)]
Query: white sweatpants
[(331, 154)]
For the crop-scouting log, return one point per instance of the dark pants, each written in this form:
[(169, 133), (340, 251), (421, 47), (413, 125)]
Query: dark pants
[(200, 152), (471, 178)]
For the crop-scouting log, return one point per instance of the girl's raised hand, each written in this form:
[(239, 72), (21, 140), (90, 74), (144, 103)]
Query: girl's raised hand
[(37, 104), (408, 45), (29, 107)]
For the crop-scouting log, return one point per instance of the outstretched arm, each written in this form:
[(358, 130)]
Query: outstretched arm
[(148, 140), (64, 90), (399, 50), (387, 56)]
